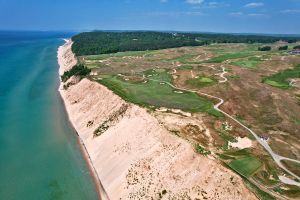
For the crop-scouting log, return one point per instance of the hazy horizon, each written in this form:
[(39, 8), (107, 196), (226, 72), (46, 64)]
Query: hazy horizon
[(138, 30)]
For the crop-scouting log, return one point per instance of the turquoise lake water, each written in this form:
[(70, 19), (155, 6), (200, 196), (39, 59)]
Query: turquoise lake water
[(40, 158)]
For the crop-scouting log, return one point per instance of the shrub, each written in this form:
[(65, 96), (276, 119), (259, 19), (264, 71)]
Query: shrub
[(282, 48), (264, 48), (77, 70), (202, 150), (297, 47)]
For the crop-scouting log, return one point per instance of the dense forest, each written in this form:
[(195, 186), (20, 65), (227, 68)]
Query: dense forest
[(98, 42)]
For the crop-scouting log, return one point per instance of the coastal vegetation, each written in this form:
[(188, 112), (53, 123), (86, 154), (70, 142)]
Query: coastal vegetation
[(77, 70), (98, 42)]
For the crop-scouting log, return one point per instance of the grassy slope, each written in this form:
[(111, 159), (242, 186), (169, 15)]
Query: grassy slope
[(280, 79), (157, 94)]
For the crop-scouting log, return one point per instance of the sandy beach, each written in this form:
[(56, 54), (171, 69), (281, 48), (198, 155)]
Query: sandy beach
[(66, 60), (136, 157)]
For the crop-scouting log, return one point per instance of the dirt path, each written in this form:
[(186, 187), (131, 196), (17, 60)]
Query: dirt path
[(277, 158), (222, 75)]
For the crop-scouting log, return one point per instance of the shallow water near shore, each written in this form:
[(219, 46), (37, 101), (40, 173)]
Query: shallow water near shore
[(40, 157)]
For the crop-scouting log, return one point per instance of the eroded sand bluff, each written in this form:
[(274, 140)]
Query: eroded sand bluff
[(134, 156)]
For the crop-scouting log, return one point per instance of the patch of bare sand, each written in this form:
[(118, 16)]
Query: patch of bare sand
[(241, 143), (66, 58), (137, 158)]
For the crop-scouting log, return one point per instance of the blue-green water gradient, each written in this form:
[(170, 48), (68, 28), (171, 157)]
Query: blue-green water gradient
[(40, 157)]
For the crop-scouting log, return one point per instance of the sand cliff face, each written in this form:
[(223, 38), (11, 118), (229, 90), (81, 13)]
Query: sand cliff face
[(135, 156)]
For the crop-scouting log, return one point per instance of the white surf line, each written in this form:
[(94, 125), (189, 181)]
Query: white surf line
[(277, 158)]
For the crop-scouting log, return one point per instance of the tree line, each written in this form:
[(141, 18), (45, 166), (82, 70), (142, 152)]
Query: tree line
[(99, 42)]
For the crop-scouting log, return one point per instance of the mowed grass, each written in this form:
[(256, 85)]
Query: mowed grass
[(251, 62), (201, 82), (155, 93), (229, 56), (281, 85), (246, 166), (280, 79)]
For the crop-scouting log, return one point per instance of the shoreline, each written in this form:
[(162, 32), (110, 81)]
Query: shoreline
[(85, 154), (99, 187)]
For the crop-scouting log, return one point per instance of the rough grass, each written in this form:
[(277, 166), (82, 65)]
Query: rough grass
[(298, 98), (268, 174), (292, 192), (280, 79), (119, 54), (246, 166), (293, 166), (261, 194), (154, 93)]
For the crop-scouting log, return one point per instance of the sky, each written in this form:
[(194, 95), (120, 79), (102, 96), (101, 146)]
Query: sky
[(226, 16)]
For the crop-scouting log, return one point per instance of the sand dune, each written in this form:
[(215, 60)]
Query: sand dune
[(134, 156)]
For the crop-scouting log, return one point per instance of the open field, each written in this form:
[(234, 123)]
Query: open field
[(140, 77)]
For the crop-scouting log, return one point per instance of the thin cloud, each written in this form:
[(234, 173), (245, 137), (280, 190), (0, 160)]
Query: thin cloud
[(194, 2), (254, 5), (215, 4), (236, 14), (257, 15), (211, 5), (290, 11), (177, 14), (241, 14)]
